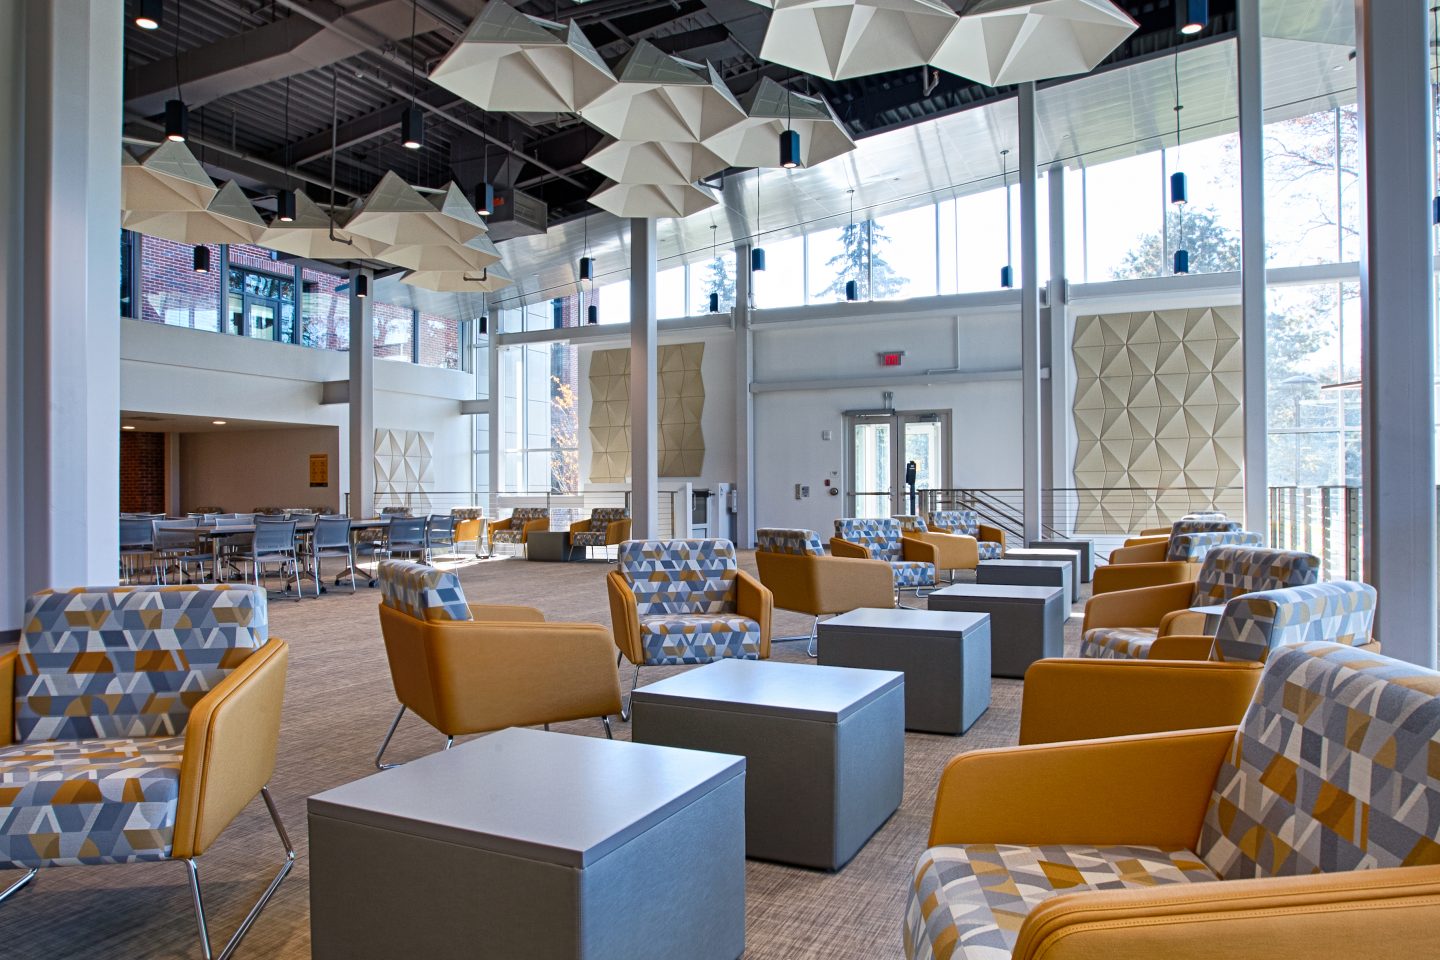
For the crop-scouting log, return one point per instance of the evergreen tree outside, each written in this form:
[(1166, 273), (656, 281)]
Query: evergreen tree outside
[(1213, 248), (851, 263), (718, 279)]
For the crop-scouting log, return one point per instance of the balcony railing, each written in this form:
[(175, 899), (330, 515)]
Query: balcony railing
[(1324, 521)]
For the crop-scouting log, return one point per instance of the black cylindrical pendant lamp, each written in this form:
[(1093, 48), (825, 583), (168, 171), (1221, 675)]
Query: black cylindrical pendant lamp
[(714, 303), (362, 286), (757, 259), (1007, 276), (1182, 261), (790, 149), (285, 206), (1194, 15), (1179, 189), (201, 261), (592, 314), (412, 127), (149, 14), (484, 324), (587, 268), (1435, 211), (177, 120), (485, 199), (852, 290)]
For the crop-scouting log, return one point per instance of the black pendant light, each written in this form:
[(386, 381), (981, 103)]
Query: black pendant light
[(1007, 272), (1194, 15), (1182, 261), (484, 324), (201, 261), (852, 290), (412, 121), (149, 14), (713, 301), (852, 286), (587, 262), (587, 268), (362, 286), (177, 115), (285, 200), (789, 140), (484, 198), (1179, 191), (592, 314), (757, 254)]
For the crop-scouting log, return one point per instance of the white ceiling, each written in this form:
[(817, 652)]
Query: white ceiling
[(145, 422)]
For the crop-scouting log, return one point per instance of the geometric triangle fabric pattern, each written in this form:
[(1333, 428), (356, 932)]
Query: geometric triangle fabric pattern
[(685, 597), (404, 467), (680, 401), (1157, 407)]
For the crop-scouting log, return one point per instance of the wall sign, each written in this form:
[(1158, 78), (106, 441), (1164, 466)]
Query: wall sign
[(319, 469), (892, 358)]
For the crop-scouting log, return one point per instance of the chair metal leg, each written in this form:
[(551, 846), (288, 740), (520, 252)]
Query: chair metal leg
[(15, 887), (449, 742), (609, 733), (390, 733), (810, 649), (250, 918), (625, 707)]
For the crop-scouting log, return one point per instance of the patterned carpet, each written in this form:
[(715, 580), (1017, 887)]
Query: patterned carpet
[(338, 704)]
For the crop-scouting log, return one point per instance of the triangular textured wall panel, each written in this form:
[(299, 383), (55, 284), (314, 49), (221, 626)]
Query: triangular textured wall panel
[(1158, 409), (680, 399), (404, 469)]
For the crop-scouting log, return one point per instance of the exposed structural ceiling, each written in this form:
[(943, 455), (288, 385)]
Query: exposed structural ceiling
[(234, 57)]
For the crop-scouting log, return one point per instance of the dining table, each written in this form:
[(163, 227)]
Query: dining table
[(217, 533)]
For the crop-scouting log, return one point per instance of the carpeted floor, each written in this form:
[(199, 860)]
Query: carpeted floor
[(337, 706)]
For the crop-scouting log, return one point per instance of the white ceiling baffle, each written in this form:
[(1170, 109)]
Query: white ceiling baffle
[(229, 218), (663, 98), (770, 111), (998, 42), (842, 39)]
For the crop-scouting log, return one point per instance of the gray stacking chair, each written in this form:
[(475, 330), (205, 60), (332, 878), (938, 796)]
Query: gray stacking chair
[(439, 532), (274, 543), (137, 539), (406, 537), (177, 544), (332, 539)]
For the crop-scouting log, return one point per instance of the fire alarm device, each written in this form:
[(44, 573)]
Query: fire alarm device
[(892, 358)]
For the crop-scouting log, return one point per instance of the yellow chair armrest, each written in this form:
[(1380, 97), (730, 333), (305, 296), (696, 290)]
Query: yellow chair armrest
[(1358, 915), (534, 526), (1151, 533), (844, 548), (499, 525), (624, 618), (754, 600), (954, 550), (992, 534), (1148, 790), (1182, 623), (1182, 646), (1148, 551), (1140, 696), (489, 676), (580, 526), (230, 743), (466, 530), (7, 697), (505, 613), (1131, 576), (617, 531), (1141, 607), (919, 551)]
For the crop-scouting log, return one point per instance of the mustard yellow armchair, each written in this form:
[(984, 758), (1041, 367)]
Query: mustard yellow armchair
[(471, 668), (470, 526), (989, 540), (1171, 844), (516, 528), (912, 562), (1179, 560), (793, 565), (685, 601), (605, 527), (135, 724)]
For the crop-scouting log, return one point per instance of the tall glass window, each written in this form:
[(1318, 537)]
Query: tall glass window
[(539, 419), (782, 282)]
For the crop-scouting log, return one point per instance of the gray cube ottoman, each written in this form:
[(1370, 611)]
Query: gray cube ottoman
[(531, 844), (1083, 546), (1031, 573), (824, 748), (945, 658), (1071, 557), (551, 546), (1026, 623)]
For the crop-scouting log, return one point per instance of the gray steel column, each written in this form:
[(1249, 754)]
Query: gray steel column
[(1397, 322), (1030, 439), (744, 405), (66, 79), (644, 452), (1252, 270), (362, 401), (1059, 475)]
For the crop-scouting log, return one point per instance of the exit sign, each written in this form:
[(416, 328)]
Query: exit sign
[(892, 358)]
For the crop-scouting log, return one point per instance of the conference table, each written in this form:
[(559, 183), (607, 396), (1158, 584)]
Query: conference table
[(216, 534)]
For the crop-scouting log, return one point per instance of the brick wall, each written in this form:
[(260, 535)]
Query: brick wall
[(142, 472)]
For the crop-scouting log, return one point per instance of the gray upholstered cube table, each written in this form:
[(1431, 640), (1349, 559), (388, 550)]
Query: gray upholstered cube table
[(531, 844), (1026, 623), (1031, 573), (824, 748), (1083, 546), (945, 658), (551, 546), (1071, 557)]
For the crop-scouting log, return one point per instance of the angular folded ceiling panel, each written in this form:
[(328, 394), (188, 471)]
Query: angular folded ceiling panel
[(998, 42), (842, 39), (313, 235), (648, 161), (770, 111), (398, 216), (487, 280), (510, 61), (165, 179), (229, 218), (653, 201), (663, 98)]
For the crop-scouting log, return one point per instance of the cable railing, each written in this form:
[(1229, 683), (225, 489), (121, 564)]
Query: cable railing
[(1324, 521), (565, 508)]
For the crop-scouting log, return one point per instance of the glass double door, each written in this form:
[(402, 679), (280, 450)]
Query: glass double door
[(878, 451)]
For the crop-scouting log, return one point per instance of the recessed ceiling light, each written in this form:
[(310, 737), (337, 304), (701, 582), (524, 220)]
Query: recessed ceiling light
[(128, 426), (219, 423)]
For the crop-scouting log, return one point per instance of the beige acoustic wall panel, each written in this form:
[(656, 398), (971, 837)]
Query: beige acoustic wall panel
[(1158, 415), (404, 468), (680, 395)]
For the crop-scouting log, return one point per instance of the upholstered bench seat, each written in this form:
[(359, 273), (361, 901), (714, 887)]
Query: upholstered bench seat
[(699, 638), (970, 901), (73, 802)]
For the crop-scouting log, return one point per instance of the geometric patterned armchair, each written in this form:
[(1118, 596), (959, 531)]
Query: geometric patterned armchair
[(1127, 624), (469, 526), (472, 668), (686, 601), (135, 724), (1256, 624), (517, 527), (1173, 560), (1310, 829), (607, 527), (793, 564), (912, 561), (1151, 547), (990, 541), (954, 551)]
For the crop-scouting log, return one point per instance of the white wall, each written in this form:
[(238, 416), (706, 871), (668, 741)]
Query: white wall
[(174, 370), (240, 470)]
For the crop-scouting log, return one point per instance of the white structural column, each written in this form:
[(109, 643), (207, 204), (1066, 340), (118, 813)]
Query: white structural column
[(1030, 439), (362, 401), (744, 405), (1397, 322), (1055, 354), (59, 283), (644, 448), (1252, 269)]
